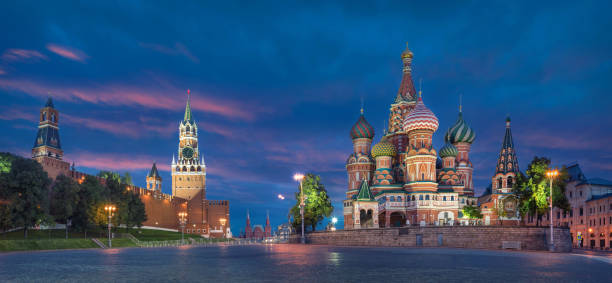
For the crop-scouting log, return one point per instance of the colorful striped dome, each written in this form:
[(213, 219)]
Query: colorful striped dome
[(420, 118), (362, 129), (448, 150), (383, 148), (460, 132)]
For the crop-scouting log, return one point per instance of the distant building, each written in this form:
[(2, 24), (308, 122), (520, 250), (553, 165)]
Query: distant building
[(257, 232)]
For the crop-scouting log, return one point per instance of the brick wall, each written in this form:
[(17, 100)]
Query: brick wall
[(475, 237)]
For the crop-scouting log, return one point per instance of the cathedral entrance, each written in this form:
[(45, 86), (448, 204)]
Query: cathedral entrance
[(397, 219), (365, 218)]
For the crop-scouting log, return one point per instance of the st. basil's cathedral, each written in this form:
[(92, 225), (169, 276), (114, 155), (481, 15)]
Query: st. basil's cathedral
[(402, 180)]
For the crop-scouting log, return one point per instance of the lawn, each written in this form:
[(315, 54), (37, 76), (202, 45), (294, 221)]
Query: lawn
[(158, 235), (46, 244), (49, 234)]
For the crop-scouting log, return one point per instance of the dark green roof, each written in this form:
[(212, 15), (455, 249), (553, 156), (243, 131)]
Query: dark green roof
[(49, 103), (153, 172), (188, 108), (364, 192)]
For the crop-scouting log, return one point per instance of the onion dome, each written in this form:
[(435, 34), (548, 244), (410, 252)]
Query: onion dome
[(448, 150), (421, 118), (383, 148), (362, 129), (407, 53), (460, 132)]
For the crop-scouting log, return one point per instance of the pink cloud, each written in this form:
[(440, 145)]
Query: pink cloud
[(559, 141), (115, 162), (150, 97), (14, 55), (130, 128), (178, 49), (15, 114), (2, 71), (68, 52)]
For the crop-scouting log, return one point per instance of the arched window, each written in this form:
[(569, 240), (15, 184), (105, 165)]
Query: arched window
[(178, 169), (192, 168), (509, 181), (43, 116), (444, 198), (413, 198), (499, 183), (188, 128), (199, 168), (392, 198), (421, 197), (184, 168), (53, 117), (399, 198), (427, 197)]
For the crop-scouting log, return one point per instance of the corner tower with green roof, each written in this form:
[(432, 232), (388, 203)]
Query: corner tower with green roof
[(47, 149)]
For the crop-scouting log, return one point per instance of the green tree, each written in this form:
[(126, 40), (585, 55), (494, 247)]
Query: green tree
[(25, 187), (6, 221), (91, 200), (317, 203), (533, 190), (64, 200), (472, 213), (136, 212)]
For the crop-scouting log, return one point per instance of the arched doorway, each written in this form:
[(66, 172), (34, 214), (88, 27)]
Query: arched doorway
[(397, 219), (365, 218)]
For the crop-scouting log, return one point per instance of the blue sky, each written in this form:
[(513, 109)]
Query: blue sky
[(277, 86)]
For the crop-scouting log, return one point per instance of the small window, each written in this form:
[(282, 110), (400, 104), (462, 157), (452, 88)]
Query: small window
[(421, 197), (444, 198), (427, 197)]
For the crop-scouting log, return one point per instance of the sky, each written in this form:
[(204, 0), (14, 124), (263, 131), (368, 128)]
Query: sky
[(276, 87)]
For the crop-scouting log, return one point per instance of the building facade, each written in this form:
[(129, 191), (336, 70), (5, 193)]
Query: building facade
[(210, 218), (402, 180), (590, 214), (257, 232)]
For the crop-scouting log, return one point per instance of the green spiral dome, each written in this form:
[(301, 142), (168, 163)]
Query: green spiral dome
[(448, 150), (460, 132)]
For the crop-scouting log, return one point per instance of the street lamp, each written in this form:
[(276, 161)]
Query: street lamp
[(182, 222), (334, 221), (110, 209), (551, 174), (223, 220), (299, 177)]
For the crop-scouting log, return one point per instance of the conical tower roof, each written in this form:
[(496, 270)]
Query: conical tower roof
[(365, 194), (153, 172), (507, 161), (188, 108)]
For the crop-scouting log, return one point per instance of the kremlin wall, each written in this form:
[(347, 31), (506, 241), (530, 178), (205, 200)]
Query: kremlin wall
[(209, 218)]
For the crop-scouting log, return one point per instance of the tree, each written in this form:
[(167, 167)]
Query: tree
[(6, 221), (25, 188), (472, 212), (91, 200), (317, 203), (64, 200), (136, 212), (533, 190)]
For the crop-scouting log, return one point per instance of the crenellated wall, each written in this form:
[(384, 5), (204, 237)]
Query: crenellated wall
[(473, 237)]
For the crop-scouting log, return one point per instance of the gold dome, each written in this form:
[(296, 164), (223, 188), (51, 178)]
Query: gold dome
[(407, 53)]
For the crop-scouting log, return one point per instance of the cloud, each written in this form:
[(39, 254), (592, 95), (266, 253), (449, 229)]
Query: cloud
[(68, 52), (556, 141), (15, 55), (178, 49), (114, 162), (131, 129), (2, 72), (157, 97), (15, 114)]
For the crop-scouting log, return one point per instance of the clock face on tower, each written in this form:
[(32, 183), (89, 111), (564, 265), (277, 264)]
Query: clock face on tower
[(187, 152)]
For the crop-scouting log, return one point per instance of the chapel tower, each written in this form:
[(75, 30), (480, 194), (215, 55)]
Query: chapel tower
[(507, 165), (189, 171), (153, 179)]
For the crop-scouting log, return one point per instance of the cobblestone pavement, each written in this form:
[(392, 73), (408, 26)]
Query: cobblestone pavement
[(297, 263)]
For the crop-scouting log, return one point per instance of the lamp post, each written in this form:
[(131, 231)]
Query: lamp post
[(110, 209), (182, 222), (551, 174), (334, 221), (223, 220), (299, 177)]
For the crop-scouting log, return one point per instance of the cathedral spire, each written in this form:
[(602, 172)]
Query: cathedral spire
[(406, 91), (188, 107), (507, 161)]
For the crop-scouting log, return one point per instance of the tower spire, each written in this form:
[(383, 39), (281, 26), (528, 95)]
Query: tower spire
[(406, 91), (188, 107), (460, 102)]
